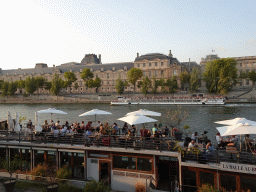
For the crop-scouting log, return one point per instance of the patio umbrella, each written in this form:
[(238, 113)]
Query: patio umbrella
[(52, 111), (137, 119), (38, 128), (17, 123), (236, 121), (95, 112), (144, 112), (238, 129), (9, 121)]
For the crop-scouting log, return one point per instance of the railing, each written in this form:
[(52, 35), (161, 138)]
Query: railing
[(136, 143)]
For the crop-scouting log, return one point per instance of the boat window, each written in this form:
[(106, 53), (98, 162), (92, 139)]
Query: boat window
[(206, 177), (124, 162), (247, 183), (144, 164), (228, 182)]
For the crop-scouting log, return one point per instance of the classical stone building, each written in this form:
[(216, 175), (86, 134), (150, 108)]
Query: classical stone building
[(244, 64), (153, 64)]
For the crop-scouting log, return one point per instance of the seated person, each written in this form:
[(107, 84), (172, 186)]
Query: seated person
[(248, 144), (219, 140), (125, 128), (88, 133), (194, 136), (191, 145), (204, 138), (57, 124), (29, 124), (115, 129), (209, 148), (55, 132), (166, 131), (233, 141), (45, 124), (147, 135), (133, 130)]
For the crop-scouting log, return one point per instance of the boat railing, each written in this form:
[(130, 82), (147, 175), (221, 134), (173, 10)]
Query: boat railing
[(200, 155)]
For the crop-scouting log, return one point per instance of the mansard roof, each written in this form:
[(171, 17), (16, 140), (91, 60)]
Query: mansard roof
[(151, 56), (63, 68), (190, 64)]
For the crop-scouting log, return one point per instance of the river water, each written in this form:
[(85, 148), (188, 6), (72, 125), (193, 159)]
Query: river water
[(201, 118)]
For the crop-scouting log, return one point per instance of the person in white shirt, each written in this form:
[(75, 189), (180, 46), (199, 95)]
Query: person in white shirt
[(191, 145), (194, 136), (219, 140), (63, 131)]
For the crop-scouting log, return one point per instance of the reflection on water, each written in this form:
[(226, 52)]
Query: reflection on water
[(200, 118)]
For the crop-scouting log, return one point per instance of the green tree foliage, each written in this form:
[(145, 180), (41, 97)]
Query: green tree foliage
[(70, 78), (120, 86), (133, 75), (225, 68), (156, 84), (87, 76), (4, 88), (76, 86), (184, 78), (30, 85), (252, 76), (162, 84), (48, 85), (12, 88), (145, 84), (40, 82), (1, 83), (243, 75), (172, 84), (96, 186), (194, 80), (97, 82), (21, 84), (57, 84)]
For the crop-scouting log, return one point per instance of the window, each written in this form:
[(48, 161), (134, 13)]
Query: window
[(107, 76), (144, 64), (174, 72), (149, 64), (247, 81), (206, 177), (156, 73), (162, 72), (253, 64), (138, 65), (241, 83), (247, 183), (113, 82), (247, 64), (162, 63), (228, 182), (144, 74), (144, 164), (155, 64), (241, 64), (124, 162), (96, 75), (149, 73)]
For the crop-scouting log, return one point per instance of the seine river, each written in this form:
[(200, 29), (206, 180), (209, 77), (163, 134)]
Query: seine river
[(201, 118)]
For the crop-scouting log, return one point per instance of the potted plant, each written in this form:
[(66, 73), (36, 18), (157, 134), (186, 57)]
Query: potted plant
[(11, 165)]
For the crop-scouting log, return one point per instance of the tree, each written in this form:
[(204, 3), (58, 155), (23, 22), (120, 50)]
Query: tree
[(120, 86), (48, 85), (4, 88), (30, 85), (184, 78), (40, 82), (96, 186), (252, 76), (12, 88), (243, 75), (213, 70), (145, 84), (57, 84), (194, 79), (87, 76), (133, 75), (172, 84), (97, 83), (21, 84), (155, 84), (76, 86), (162, 84), (70, 78)]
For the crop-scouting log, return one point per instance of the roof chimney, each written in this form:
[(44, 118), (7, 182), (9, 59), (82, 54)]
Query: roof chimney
[(170, 53), (138, 54), (189, 62), (53, 65), (99, 58)]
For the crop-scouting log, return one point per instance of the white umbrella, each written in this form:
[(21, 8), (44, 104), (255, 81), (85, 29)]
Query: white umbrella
[(236, 121), (17, 123), (95, 112), (144, 112), (238, 129), (137, 119), (52, 111), (38, 128), (9, 121)]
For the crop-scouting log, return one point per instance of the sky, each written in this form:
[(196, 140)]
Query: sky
[(62, 31)]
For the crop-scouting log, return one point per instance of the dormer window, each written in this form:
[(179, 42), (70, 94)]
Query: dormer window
[(25, 73), (81, 70), (149, 64), (91, 69), (113, 68), (102, 69), (125, 67)]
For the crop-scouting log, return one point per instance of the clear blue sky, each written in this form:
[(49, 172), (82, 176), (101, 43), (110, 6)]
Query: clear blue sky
[(60, 31)]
